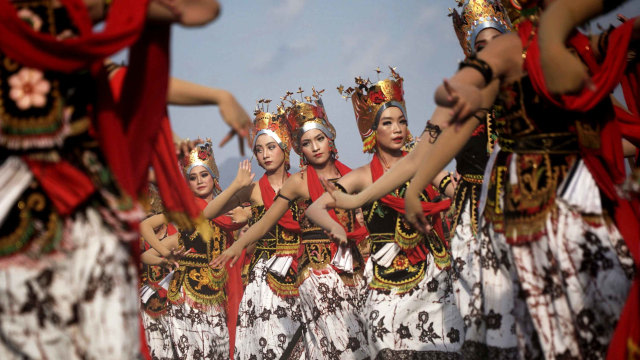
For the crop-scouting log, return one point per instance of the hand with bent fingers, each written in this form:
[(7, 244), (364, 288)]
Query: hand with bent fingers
[(338, 235), (171, 260), (237, 118), (463, 99), (415, 215), (184, 147), (232, 253), (340, 199), (244, 177)]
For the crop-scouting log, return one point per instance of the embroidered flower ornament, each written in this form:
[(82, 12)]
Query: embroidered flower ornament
[(29, 88)]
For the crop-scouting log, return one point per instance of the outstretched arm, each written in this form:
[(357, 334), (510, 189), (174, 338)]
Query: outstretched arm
[(228, 199), (255, 232), (442, 151), (318, 211), (399, 173), (186, 93)]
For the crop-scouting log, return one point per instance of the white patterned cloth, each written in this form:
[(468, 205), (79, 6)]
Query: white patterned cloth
[(421, 323), (574, 282), (330, 310), (267, 322), (199, 334), (483, 288), (79, 303), (158, 336)]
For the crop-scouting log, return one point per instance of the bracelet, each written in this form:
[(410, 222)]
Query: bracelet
[(279, 195), (433, 130), (444, 183), (479, 65)]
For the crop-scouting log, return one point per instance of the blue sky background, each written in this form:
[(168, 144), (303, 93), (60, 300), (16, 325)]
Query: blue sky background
[(261, 49)]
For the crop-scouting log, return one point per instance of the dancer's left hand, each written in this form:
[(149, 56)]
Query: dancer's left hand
[(237, 118), (415, 215), (231, 254)]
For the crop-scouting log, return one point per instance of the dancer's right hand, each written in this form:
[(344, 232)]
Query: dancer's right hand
[(338, 235), (341, 200), (232, 253), (463, 100), (171, 260), (244, 177)]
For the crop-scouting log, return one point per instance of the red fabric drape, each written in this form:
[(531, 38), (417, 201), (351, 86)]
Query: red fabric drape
[(268, 196), (234, 287), (316, 190), (123, 26), (127, 130), (158, 152), (419, 253), (606, 163)]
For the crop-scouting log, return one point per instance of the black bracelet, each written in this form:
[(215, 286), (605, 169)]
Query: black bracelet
[(444, 183), (433, 130), (279, 195), (480, 65)]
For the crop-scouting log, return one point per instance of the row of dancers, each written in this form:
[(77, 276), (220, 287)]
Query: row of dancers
[(532, 252), (531, 264)]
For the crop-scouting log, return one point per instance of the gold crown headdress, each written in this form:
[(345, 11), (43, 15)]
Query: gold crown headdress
[(478, 15), (370, 100), (304, 116), (201, 155), (273, 125)]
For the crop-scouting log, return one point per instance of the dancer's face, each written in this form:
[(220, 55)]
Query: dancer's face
[(200, 181), (315, 147), (485, 37), (392, 129), (269, 155)]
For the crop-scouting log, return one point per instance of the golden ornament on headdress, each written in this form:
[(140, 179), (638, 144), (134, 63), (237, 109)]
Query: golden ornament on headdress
[(302, 116), (476, 16), (370, 100), (201, 155)]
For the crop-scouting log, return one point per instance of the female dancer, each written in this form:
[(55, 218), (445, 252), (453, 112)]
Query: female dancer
[(67, 276), (269, 320), (409, 309), (197, 316), (328, 295), (572, 266)]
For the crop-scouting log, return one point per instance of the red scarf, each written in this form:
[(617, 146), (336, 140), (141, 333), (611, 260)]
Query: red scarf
[(316, 190), (234, 287), (268, 197), (134, 132), (606, 164), (419, 253)]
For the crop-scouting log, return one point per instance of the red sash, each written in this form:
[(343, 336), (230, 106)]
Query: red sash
[(268, 197), (316, 190), (234, 287), (419, 253)]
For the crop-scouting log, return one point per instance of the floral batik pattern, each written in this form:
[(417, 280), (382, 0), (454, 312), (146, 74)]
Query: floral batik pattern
[(59, 307), (409, 309), (574, 282), (483, 287), (268, 325), (199, 333), (330, 300)]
